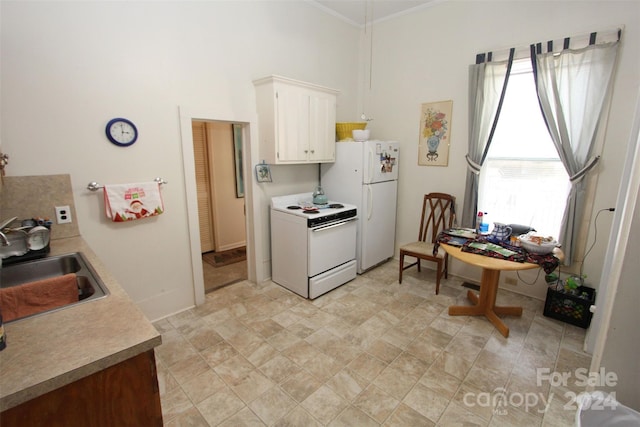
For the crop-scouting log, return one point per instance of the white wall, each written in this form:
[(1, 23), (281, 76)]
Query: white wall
[(69, 67), (622, 337), (614, 338), (424, 57)]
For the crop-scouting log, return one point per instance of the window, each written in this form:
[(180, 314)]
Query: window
[(523, 180)]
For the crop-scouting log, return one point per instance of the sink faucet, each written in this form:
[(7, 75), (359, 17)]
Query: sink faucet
[(3, 240), (12, 242)]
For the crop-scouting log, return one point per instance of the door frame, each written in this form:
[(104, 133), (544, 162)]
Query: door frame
[(254, 245), (613, 268)]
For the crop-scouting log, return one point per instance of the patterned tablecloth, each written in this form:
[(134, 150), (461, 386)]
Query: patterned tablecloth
[(547, 262)]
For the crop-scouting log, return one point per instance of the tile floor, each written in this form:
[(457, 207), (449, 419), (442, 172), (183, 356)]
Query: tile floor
[(369, 353), (217, 277)]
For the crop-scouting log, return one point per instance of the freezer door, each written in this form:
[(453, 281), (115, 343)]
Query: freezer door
[(342, 180), (380, 161), (378, 221)]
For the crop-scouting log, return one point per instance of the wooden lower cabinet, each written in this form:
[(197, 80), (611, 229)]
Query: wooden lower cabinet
[(125, 394)]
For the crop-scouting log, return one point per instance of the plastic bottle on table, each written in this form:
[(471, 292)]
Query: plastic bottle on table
[(484, 225)]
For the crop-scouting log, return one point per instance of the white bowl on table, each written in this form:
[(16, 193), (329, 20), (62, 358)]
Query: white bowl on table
[(537, 245)]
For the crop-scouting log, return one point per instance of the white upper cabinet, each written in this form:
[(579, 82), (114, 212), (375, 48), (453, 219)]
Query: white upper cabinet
[(296, 121)]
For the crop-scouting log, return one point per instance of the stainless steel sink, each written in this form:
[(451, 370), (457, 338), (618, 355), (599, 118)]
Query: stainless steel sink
[(90, 287)]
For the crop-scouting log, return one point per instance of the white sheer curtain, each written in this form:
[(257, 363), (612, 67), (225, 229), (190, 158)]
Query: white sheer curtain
[(573, 88), (487, 86)]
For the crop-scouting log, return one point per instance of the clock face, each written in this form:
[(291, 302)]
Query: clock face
[(121, 132)]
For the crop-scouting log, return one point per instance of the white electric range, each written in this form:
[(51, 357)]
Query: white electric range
[(313, 247)]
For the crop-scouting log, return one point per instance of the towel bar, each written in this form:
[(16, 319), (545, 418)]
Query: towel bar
[(94, 186)]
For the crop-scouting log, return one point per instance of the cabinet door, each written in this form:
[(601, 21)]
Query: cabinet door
[(292, 127), (125, 394), (322, 127), (296, 121)]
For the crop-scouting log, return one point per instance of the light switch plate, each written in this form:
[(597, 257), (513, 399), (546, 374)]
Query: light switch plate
[(63, 215)]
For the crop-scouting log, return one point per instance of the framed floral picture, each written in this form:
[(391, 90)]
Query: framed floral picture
[(435, 133)]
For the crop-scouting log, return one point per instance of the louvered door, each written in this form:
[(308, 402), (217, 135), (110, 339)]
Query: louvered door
[(203, 182)]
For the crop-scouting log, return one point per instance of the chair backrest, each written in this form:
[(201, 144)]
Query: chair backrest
[(438, 213)]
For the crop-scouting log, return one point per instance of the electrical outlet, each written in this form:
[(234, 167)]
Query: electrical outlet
[(63, 214), (511, 281)]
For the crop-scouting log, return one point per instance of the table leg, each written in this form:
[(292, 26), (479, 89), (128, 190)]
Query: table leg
[(508, 311), (485, 303)]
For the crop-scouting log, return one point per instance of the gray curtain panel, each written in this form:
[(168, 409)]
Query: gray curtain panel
[(574, 87), (487, 86)]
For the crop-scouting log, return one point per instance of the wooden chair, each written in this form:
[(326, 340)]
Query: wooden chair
[(438, 213)]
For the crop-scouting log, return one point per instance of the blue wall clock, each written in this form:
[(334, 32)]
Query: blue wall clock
[(121, 132)]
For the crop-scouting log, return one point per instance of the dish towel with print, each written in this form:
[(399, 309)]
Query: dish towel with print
[(127, 202)]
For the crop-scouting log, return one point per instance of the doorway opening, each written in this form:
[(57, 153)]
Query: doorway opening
[(256, 243), (219, 177)]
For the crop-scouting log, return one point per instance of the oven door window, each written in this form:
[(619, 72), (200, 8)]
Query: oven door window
[(331, 246)]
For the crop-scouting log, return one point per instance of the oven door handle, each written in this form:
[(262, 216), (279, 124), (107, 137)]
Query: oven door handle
[(334, 225)]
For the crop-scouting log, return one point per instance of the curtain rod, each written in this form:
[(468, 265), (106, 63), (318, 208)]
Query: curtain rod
[(573, 42)]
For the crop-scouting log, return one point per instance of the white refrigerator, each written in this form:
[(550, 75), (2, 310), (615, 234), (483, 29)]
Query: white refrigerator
[(365, 174)]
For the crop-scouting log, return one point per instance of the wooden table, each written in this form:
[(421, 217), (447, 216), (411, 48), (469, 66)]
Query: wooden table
[(485, 303)]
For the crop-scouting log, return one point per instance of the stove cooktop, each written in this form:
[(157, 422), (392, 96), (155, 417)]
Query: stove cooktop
[(315, 208), (302, 205)]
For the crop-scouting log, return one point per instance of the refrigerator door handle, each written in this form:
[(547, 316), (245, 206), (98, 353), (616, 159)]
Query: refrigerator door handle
[(369, 201), (370, 168)]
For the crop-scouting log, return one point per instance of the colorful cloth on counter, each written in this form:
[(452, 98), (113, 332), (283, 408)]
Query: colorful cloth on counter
[(547, 262), (127, 202)]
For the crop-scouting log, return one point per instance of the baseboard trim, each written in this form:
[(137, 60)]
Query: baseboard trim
[(471, 286)]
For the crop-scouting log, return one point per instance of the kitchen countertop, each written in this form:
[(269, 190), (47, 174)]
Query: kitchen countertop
[(49, 351)]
